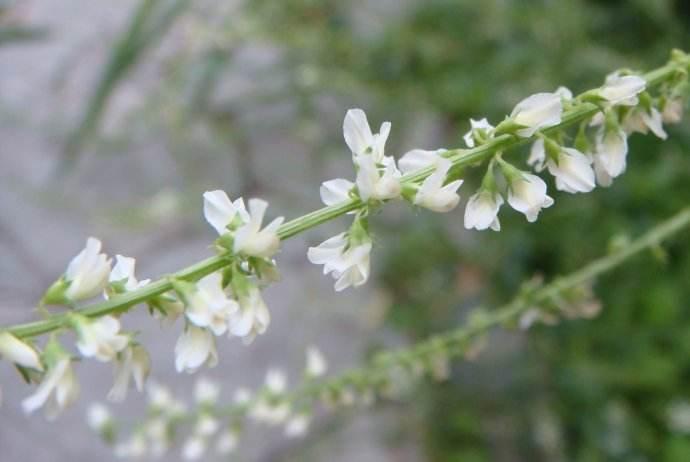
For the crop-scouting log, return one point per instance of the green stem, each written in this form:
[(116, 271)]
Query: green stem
[(459, 157)]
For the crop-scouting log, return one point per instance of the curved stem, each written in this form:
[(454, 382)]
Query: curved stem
[(459, 157)]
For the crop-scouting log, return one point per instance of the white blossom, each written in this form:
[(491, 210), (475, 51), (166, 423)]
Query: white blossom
[(359, 137), (58, 389), (477, 125), (527, 195), (208, 305), (251, 240), (610, 155), (335, 191), (98, 416), (349, 265), (194, 448), (541, 110), (481, 211), (19, 352), (220, 211), (100, 338), (573, 171), (123, 272), (276, 381), (206, 391), (297, 426), (87, 273), (622, 90), (206, 426), (564, 93), (133, 362), (673, 111), (371, 184), (195, 347), (642, 121), (537, 155), (133, 448), (316, 362), (433, 195), (162, 401), (241, 396), (417, 159), (253, 316), (227, 442)]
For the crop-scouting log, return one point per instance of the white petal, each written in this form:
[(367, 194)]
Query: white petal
[(357, 132), (335, 191), (218, 210)]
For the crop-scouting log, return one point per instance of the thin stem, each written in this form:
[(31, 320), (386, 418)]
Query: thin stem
[(459, 157)]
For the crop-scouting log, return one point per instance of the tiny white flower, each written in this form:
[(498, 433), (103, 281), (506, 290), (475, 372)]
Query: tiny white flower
[(476, 125), (622, 90), (276, 381), (359, 137), (195, 347), (564, 93), (297, 426), (194, 448), (541, 110), (209, 306), (19, 352), (527, 195), (253, 316), (418, 159), (573, 171), (251, 240), (481, 211), (220, 211), (349, 265), (335, 191), (206, 426), (227, 442), (653, 120), (100, 338), (58, 389), (270, 413), (123, 272), (537, 155), (371, 184), (98, 416), (87, 273), (133, 448), (241, 396), (206, 391), (158, 433), (316, 362), (673, 111), (433, 195), (133, 362), (610, 155)]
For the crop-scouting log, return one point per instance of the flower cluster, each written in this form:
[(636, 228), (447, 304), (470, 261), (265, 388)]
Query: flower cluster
[(208, 425)]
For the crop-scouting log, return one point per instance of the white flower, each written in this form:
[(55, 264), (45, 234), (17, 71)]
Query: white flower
[(316, 363), (433, 195), (253, 316), (227, 442), (564, 93), (348, 264), (276, 381), (98, 416), (87, 273), (417, 159), (537, 155), (673, 111), (100, 338), (206, 426), (123, 272), (622, 90), (161, 400), (158, 433), (335, 191), (19, 352), (476, 125), (482, 210), (220, 211), (134, 448), (58, 389), (541, 110), (209, 306), (133, 362), (371, 184), (610, 155), (527, 195), (241, 396), (206, 391), (194, 448), (195, 347), (250, 239), (297, 426), (642, 121), (573, 171), (270, 413), (359, 137)]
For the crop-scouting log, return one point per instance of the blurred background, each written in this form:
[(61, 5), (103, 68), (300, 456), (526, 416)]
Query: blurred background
[(116, 116)]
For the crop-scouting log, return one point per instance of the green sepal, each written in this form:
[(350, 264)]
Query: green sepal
[(55, 295)]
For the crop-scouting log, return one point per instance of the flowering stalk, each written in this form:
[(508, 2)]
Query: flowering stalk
[(578, 109), (274, 405)]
